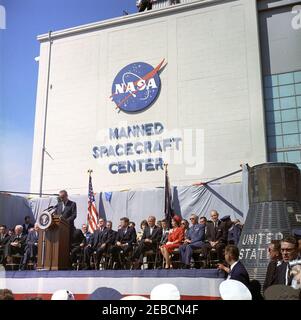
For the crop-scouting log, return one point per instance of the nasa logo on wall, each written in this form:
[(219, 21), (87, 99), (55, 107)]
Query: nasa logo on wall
[(136, 86)]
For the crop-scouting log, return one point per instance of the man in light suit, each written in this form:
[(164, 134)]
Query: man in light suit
[(149, 241), (31, 247), (236, 270), (195, 238)]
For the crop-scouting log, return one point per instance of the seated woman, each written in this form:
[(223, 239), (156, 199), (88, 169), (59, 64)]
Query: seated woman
[(175, 239), (143, 224)]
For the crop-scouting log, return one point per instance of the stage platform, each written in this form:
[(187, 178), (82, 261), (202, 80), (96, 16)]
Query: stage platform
[(196, 284)]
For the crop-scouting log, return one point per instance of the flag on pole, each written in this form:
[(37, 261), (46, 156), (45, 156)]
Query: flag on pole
[(92, 211), (168, 202)]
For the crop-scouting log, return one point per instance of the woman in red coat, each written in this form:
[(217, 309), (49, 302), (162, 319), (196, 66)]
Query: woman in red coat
[(175, 239)]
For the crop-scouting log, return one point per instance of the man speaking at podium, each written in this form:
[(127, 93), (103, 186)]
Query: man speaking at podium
[(67, 209)]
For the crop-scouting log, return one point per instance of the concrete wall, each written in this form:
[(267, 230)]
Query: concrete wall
[(212, 83)]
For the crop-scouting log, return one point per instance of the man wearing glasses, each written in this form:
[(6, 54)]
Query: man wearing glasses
[(289, 252), (194, 239)]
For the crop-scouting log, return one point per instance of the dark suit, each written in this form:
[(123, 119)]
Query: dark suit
[(78, 238), (92, 246), (69, 212), (214, 233), (105, 240), (143, 246), (31, 247), (282, 276), (196, 234), (239, 273), (26, 228), (270, 274), (3, 241), (10, 250), (234, 234), (128, 238)]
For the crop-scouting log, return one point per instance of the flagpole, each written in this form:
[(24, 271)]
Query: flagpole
[(90, 171)]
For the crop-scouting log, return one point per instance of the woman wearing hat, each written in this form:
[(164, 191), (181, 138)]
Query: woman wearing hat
[(175, 239)]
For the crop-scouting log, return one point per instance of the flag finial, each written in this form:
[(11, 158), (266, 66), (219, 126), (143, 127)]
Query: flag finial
[(90, 171)]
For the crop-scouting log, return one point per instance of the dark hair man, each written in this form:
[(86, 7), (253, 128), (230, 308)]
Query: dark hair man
[(27, 225), (4, 238), (274, 250), (289, 251), (236, 270), (123, 246)]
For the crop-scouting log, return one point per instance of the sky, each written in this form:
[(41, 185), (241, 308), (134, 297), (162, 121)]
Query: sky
[(25, 19)]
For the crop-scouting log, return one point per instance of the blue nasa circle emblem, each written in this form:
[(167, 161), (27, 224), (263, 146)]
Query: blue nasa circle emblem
[(136, 86)]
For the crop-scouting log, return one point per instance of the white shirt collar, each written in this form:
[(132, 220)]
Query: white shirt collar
[(233, 265)]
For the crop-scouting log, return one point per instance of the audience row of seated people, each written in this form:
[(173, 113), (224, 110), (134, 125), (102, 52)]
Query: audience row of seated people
[(125, 246), (22, 241)]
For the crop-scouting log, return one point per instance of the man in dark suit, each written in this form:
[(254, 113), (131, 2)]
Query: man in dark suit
[(165, 232), (27, 225), (274, 250), (78, 239), (216, 236), (123, 246), (289, 251), (195, 238), (31, 247), (16, 244), (66, 208), (93, 242), (236, 270), (106, 240), (4, 238), (149, 241)]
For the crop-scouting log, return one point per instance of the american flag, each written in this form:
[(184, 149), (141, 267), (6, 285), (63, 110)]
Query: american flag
[(92, 211)]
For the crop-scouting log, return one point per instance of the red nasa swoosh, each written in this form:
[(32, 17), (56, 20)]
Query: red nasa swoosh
[(146, 77)]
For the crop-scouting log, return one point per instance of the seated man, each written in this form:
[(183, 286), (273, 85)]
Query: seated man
[(123, 246), (165, 230), (27, 225), (149, 241), (195, 238), (106, 240), (15, 245), (87, 234), (4, 238), (216, 236), (93, 243), (236, 270), (31, 247), (77, 244)]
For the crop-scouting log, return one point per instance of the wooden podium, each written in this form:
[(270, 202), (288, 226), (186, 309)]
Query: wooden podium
[(53, 246)]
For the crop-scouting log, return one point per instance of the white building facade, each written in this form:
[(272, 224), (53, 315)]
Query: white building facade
[(208, 112)]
